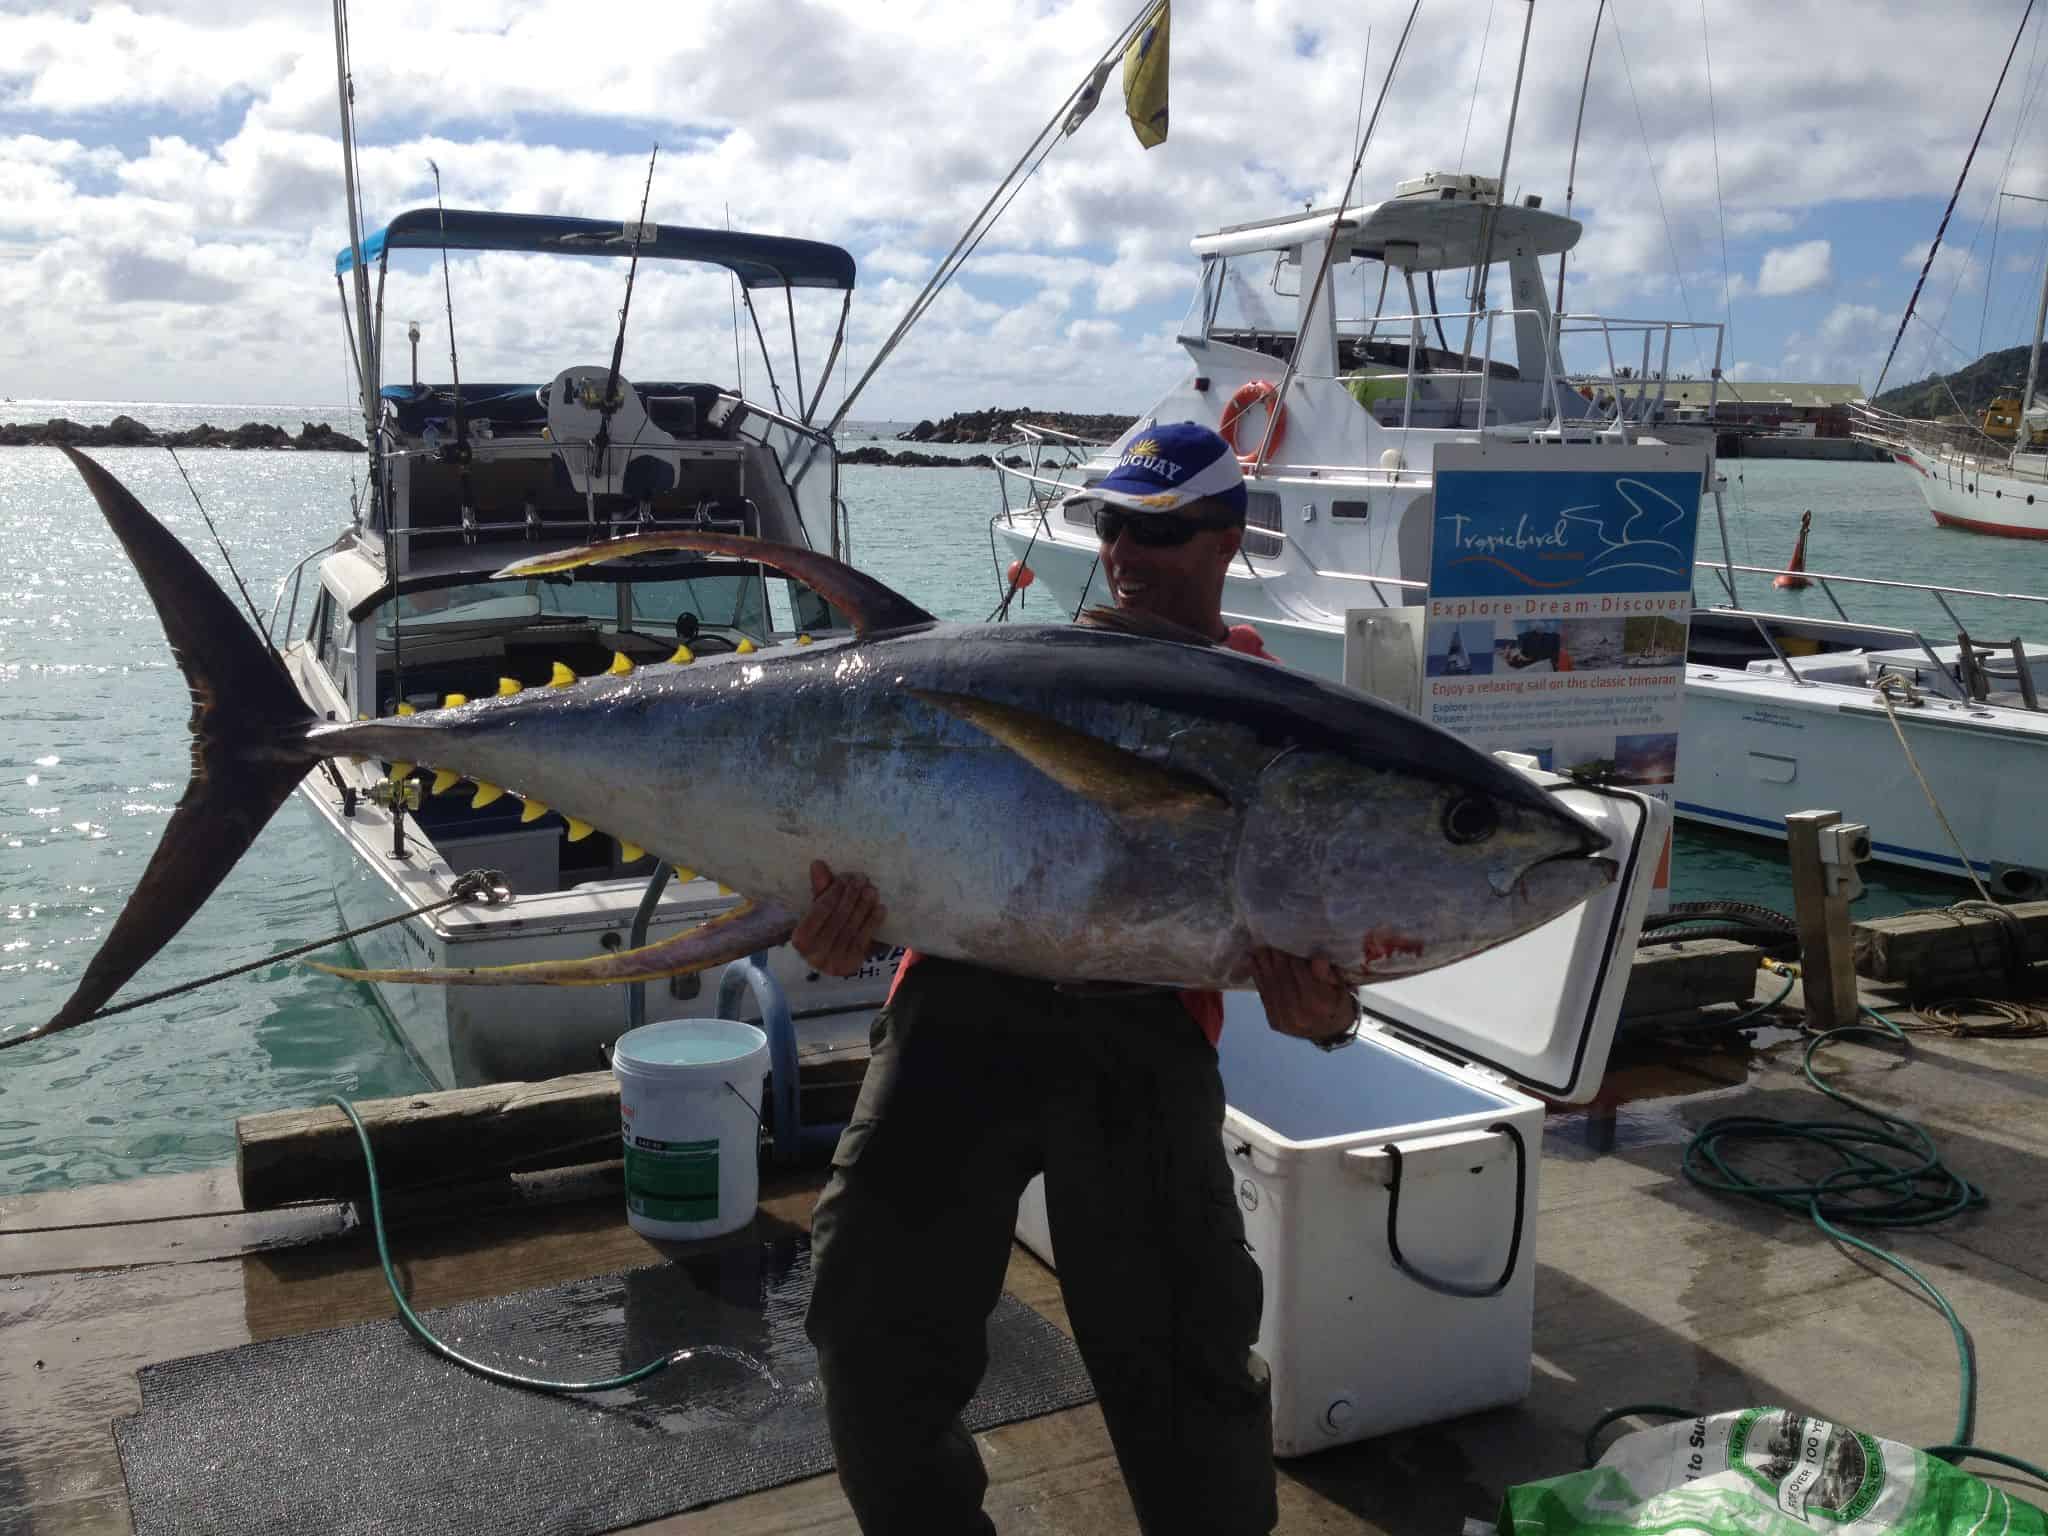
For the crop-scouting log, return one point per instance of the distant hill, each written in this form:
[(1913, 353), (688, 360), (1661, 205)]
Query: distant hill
[(1993, 374)]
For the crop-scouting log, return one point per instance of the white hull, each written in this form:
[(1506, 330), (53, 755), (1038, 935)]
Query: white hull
[(2006, 501), (465, 1035), (1753, 747)]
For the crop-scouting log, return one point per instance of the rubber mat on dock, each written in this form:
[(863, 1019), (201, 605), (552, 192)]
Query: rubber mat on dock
[(364, 1429)]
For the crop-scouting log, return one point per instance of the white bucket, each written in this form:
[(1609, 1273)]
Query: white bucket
[(689, 1113)]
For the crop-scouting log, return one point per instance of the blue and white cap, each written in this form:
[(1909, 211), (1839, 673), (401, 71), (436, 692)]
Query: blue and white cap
[(1171, 466)]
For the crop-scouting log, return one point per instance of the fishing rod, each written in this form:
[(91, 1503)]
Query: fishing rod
[(459, 454), (607, 403), (1571, 176), (1070, 114), (1489, 213)]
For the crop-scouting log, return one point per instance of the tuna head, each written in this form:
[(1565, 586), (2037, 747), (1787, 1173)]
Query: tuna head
[(1389, 871)]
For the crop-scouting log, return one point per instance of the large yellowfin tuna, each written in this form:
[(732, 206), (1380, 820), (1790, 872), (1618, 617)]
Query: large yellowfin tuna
[(1062, 801)]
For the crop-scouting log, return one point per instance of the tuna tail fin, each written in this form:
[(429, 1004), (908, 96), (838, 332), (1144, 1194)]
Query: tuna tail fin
[(247, 752)]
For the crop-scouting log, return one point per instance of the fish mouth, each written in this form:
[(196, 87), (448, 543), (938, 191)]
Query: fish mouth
[(1557, 884)]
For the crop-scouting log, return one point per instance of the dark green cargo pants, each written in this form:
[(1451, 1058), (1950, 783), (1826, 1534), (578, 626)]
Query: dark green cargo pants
[(978, 1081)]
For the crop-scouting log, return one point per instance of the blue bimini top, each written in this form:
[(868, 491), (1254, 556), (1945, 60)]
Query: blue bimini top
[(759, 261)]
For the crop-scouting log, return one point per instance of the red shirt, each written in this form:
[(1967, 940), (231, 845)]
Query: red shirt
[(1206, 1007)]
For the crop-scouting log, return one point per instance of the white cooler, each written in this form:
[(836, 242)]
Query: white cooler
[(1390, 1188)]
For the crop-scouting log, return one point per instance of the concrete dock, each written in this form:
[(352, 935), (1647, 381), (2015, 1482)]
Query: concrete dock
[(1648, 1288)]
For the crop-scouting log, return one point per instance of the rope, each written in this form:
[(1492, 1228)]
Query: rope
[(1650, 160), (1885, 688), (485, 885), (2011, 1020), (1928, 265)]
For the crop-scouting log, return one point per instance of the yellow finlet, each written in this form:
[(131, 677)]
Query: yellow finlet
[(632, 853), (361, 716), (485, 794), (562, 677), (746, 647), (803, 639), (578, 830), (444, 781), (685, 874), (725, 890), (507, 686), (455, 700), (533, 812), (683, 656), (405, 708), (621, 665), (400, 772)]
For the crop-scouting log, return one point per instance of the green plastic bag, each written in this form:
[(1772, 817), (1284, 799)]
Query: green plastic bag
[(1765, 1472)]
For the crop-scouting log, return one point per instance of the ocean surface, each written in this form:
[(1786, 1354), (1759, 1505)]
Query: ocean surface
[(93, 755)]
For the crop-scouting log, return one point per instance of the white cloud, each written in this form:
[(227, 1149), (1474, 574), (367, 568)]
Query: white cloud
[(170, 203), (1795, 268)]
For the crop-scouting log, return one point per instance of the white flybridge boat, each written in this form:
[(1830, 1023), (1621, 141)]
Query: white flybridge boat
[(400, 612), (1780, 714)]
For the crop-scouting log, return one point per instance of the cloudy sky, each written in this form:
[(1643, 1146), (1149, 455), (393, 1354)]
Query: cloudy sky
[(171, 199)]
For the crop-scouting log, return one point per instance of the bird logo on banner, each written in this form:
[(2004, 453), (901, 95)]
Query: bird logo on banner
[(1145, 80)]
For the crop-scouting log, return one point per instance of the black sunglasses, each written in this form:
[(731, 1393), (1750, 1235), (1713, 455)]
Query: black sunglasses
[(1153, 530)]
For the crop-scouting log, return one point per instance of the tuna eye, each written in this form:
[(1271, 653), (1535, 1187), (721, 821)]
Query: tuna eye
[(1470, 819)]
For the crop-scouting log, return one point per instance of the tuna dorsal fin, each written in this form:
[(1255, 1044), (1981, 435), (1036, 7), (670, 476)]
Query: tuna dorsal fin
[(866, 602), (1131, 621), (1095, 769)]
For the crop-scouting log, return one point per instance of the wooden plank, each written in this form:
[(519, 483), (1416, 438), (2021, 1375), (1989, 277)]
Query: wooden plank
[(1947, 952), (313, 1154), (210, 1192), (290, 1155), (1689, 974)]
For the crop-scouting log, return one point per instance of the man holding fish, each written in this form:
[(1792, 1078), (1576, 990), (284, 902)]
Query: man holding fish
[(980, 1080), (1085, 832)]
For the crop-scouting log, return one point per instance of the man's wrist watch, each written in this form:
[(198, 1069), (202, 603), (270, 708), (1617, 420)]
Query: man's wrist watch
[(1339, 1041)]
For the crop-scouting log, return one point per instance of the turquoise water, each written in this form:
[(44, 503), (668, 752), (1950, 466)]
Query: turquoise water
[(93, 755), (687, 1043)]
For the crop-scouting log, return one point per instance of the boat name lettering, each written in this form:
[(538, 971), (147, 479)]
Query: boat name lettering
[(1559, 536)]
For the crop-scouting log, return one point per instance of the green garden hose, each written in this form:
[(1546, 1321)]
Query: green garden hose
[(426, 1336), (1866, 1191)]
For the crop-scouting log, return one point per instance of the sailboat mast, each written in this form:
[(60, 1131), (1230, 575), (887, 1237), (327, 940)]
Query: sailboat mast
[(366, 343), (2020, 436)]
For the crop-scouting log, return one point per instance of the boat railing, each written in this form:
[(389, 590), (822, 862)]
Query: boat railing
[(1640, 390), (1046, 493), (1632, 392), (1969, 649), (291, 583), (1952, 450)]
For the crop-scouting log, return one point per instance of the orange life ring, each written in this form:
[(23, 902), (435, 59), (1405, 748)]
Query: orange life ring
[(1258, 392)]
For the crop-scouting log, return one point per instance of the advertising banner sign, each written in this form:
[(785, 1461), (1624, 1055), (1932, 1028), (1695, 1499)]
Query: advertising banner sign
[(1560, 595)]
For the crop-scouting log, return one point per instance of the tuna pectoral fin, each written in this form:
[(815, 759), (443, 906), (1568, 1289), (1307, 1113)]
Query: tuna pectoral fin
[(1096, 770), (248, 751), (866, 602), (740, 932)]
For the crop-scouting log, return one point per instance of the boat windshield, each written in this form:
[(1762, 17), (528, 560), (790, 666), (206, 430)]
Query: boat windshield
[(734, 598)]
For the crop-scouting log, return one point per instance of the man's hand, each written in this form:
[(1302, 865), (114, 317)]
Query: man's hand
[(1303, 998), (839, 929)]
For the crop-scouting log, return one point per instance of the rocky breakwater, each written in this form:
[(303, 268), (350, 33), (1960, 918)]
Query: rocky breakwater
[(999, 423), (127, 432), (910, 458)]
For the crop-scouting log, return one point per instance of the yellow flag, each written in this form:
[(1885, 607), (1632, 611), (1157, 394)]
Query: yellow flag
[(1145, 79)]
